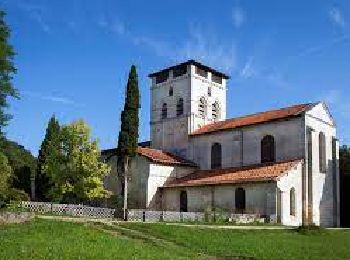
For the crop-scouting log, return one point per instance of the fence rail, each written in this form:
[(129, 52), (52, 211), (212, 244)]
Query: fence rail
[(142, 215), (68, 209)]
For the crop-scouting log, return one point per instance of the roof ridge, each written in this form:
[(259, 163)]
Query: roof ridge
[(221, 124)]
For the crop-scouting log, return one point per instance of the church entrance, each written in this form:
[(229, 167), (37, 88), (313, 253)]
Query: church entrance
[(183, 201)]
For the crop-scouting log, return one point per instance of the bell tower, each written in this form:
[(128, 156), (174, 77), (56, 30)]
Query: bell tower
[(184, 98)]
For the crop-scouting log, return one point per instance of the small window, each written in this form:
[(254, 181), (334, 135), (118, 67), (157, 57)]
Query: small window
[(201, 72), (240, 200), (209, 91), (162, 76), (268, 149), (202, 106), (215, 78), (216, 155), (164, 111), (215, 111), (179, 71), (180, 107), (183, 201), (322, 152), (171, 91), (292, 201)]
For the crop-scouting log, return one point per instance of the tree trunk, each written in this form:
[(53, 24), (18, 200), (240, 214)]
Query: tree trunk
[(126, 171)]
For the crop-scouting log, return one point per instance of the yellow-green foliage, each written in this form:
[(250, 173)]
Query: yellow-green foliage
[(80, 174)]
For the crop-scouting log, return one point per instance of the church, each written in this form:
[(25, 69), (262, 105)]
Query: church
[(281, 163)]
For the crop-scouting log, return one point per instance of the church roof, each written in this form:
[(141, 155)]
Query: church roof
[(191, 62), (246, 174), (163, 157), (154, 155), (254, 119)]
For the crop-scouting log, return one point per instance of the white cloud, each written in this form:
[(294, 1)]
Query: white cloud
[(248, 71), (337, 17), (56, 99), (238, 17), (37, 13), (207, 48)]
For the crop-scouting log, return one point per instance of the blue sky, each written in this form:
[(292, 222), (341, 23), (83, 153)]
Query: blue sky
[(73, 57)]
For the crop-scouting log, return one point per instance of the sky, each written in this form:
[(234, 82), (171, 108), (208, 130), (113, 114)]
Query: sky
[(73, 57)]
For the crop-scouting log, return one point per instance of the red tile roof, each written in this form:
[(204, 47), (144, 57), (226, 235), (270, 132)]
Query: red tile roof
[(254, 119), (159, 156), (247, 174)]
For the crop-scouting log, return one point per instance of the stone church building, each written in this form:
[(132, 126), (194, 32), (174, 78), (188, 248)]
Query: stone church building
[(281, 163)]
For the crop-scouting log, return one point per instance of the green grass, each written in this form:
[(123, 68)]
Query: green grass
[(260, 244), (44, 239), (47, 239)]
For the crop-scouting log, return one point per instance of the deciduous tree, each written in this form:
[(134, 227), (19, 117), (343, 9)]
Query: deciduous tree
[(80, 175)]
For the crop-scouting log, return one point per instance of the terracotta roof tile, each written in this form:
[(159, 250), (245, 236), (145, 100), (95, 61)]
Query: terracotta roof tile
[(159, 156), (253, 119), (254, 173)]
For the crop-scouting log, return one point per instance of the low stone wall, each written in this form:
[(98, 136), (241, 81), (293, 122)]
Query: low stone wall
[(15, 217), (175, 216)]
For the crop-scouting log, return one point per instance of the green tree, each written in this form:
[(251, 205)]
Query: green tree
[(128, 134), (5, 175), (344, 160), (80, 175), (22, 162), (50, 151), (7, 70)]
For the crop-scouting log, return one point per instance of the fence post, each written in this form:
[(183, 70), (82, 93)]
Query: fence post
[(51, 208), (143, 216)]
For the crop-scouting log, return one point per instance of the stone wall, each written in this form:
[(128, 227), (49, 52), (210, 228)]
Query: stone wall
[(243, 147), (260, 198)]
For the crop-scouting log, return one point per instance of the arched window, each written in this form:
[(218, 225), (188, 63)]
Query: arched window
[(180, 107), (202, 107), (268, 149), (216, 156), (215, 114), (322, 151), (171, 91), (292, 202), (240, 199), (183, 201), (164, 111)]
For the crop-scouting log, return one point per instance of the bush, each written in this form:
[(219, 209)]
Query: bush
[(309, 229), (17, 195)]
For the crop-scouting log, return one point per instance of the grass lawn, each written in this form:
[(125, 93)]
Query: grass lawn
[(48, 239), (259, 244)]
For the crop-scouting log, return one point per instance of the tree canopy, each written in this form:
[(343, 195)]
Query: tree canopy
[(7, 70), (128, 134), (50, 151), (22, 162), (78, 176)]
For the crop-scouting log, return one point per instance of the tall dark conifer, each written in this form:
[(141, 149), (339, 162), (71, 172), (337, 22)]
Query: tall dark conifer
[(7, 69), (128, 134), (50, 147)]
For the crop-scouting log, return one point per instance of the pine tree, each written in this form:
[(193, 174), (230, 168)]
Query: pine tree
[(50, 150), (128, 134), (7, 69)]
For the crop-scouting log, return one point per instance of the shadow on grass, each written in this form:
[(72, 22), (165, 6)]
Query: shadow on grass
[(171, 245)]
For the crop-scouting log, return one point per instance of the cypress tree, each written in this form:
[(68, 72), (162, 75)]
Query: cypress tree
[(50, 147), (128, 134), (7, 69)]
